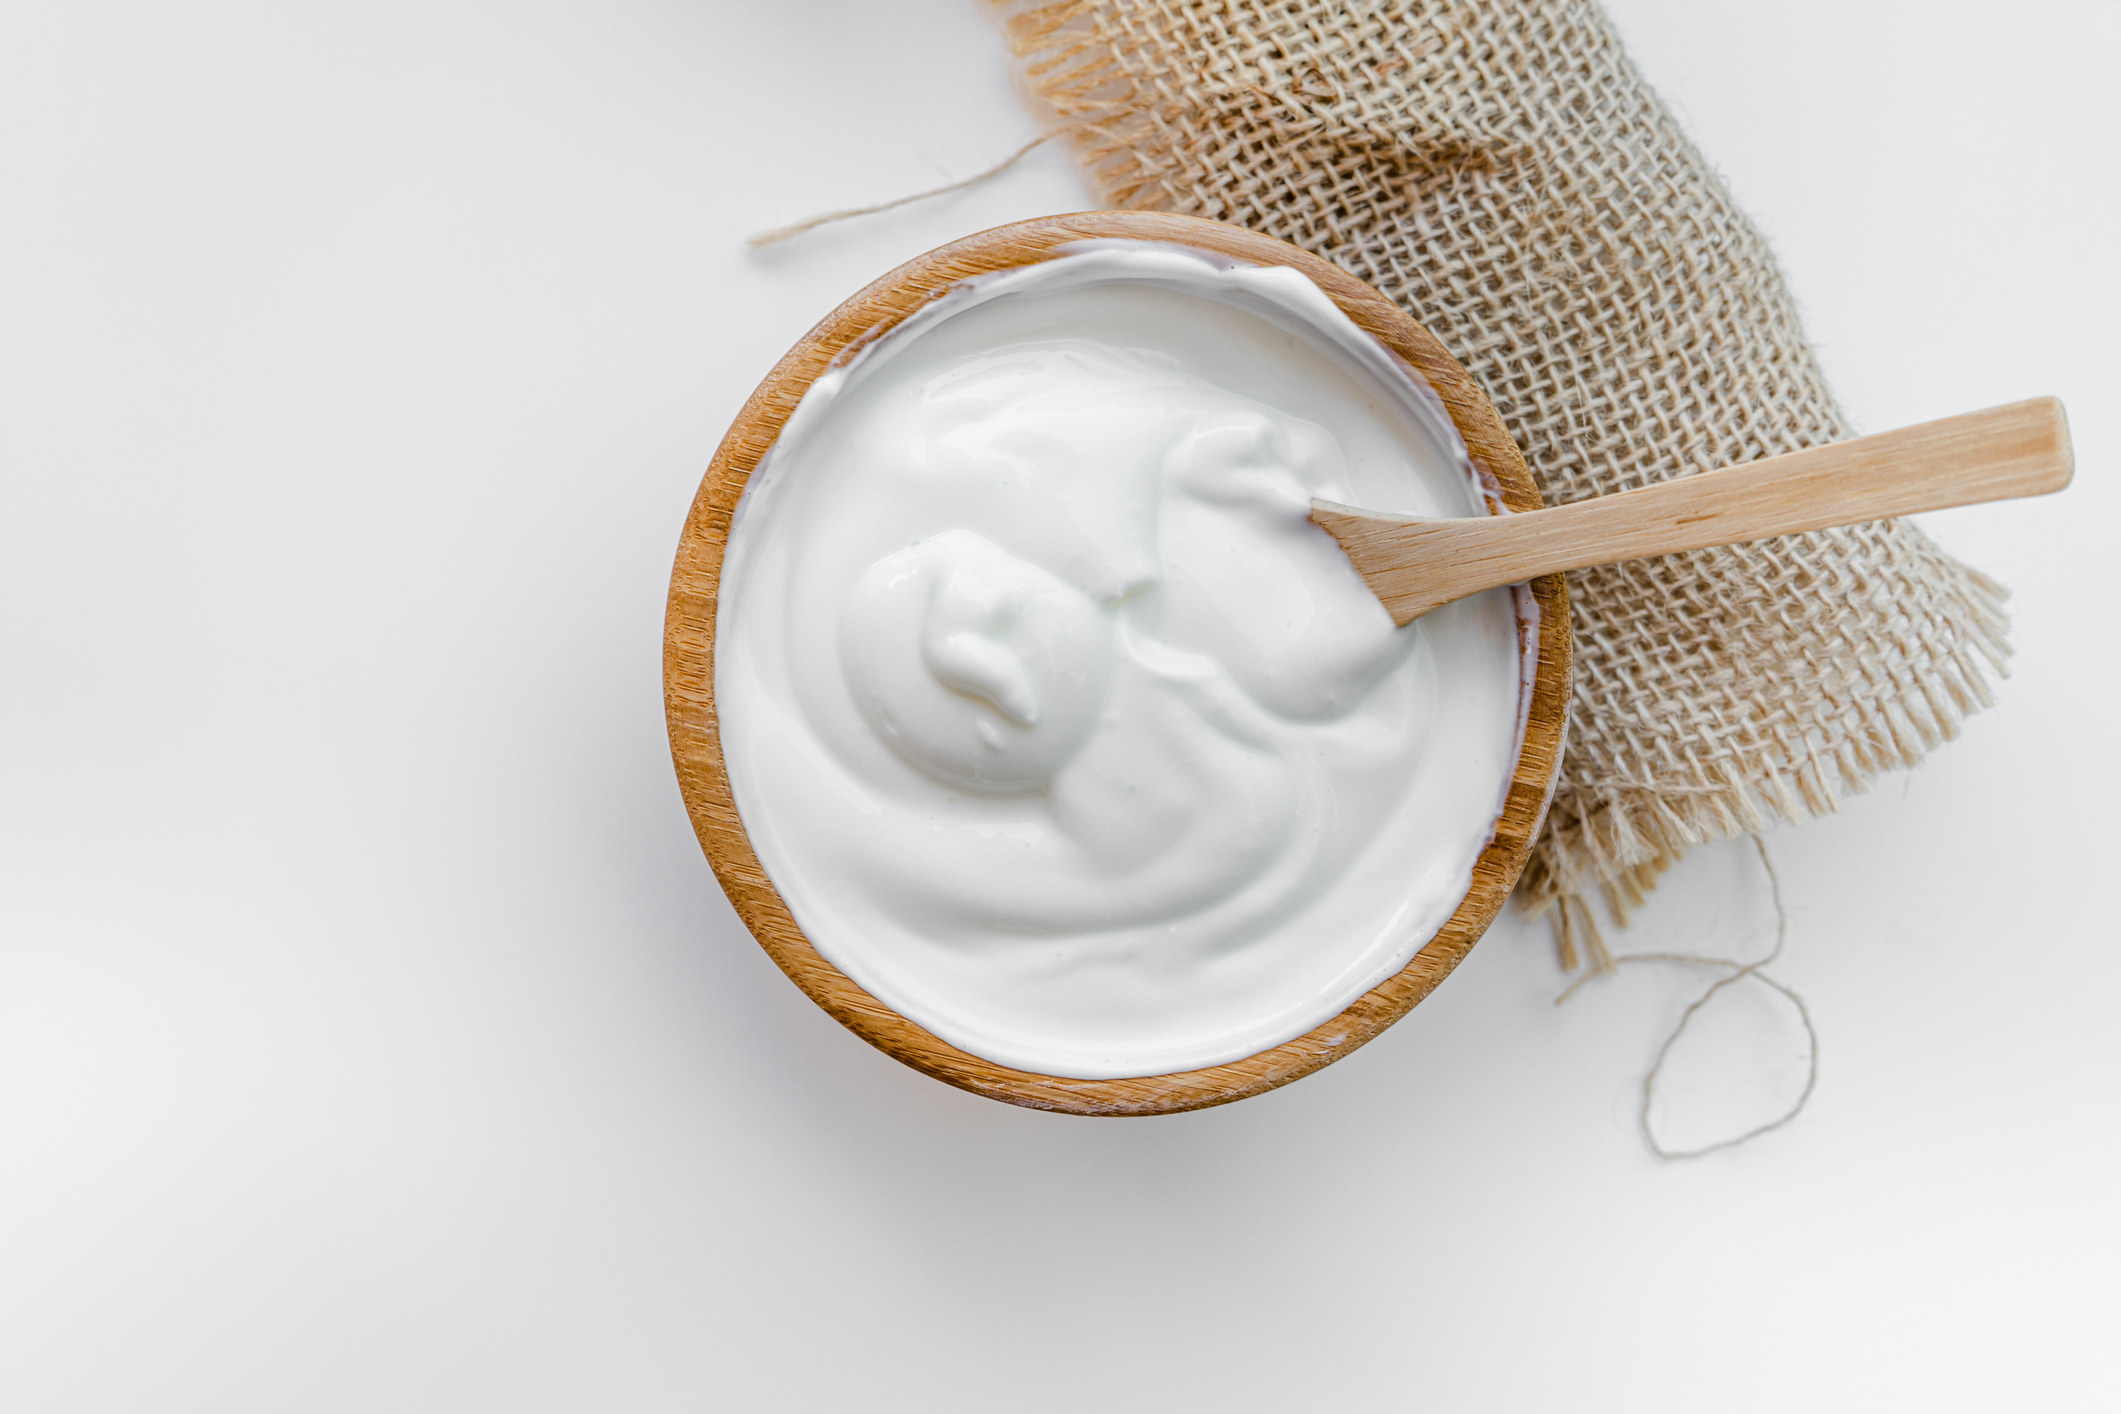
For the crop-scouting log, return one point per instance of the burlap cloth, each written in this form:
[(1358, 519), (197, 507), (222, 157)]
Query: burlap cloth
[(1504, 173)]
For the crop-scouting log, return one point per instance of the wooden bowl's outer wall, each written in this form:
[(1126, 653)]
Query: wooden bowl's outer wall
[(695, 741)]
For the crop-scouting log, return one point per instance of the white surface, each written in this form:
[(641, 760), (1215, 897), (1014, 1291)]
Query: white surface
[(373, 1036)]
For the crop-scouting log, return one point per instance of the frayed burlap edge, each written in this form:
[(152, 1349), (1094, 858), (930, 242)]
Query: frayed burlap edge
[(1463, 158)]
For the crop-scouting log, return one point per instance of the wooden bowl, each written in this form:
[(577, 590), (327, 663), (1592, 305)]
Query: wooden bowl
[(695, 742)]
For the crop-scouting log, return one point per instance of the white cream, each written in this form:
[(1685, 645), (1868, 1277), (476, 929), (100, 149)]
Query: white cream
[(1059, 726)]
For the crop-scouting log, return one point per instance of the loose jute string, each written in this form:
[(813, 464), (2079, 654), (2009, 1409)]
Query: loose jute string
[(1605, 963), (782, 233)]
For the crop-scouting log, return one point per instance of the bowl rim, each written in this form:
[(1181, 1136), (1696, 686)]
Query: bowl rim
[(695, 738)]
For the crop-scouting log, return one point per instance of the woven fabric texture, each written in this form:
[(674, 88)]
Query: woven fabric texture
[(1504, 173)]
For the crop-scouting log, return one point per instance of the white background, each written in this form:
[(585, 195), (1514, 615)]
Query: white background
[(374, 1036)]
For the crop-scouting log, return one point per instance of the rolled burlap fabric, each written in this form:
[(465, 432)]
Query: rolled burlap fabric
[(1504, 173)]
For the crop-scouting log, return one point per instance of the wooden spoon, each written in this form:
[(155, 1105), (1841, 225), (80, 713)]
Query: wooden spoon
[(1415, 565)]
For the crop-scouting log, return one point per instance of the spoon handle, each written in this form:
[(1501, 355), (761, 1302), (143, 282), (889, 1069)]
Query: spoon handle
[(1415, 565)]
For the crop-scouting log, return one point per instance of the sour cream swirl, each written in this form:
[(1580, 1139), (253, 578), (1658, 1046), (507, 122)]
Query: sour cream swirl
[(1059, 726)]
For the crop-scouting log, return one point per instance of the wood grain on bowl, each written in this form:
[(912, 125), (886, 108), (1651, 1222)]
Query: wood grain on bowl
[(688, 673)]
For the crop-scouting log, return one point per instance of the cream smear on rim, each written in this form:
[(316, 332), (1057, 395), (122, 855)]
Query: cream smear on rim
[(1059, 726)]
